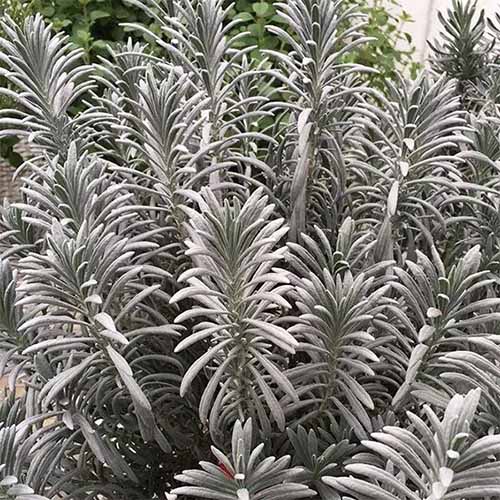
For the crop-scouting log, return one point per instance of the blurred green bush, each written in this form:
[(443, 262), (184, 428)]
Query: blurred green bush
[(92, 24)]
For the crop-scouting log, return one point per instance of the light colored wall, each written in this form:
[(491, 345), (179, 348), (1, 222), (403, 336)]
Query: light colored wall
[(426, 24)]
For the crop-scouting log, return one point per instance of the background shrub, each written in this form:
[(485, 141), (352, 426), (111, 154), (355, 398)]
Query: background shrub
[(92, 24)]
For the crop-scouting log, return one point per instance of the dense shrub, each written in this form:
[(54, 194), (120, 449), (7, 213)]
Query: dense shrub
[(298, 294)]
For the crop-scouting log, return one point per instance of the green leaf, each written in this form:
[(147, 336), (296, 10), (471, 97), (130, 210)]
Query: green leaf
[(48, 11), (121, 12), (254, 30), (278, 20), (269, 42), (244, 16), (246, 41), (81, 36), (99, 44), (61, 23), (243, 5), (65, 3), (261, 8), (99, 14)]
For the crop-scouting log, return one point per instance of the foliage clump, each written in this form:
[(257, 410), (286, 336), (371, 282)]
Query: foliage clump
[(242, 279)]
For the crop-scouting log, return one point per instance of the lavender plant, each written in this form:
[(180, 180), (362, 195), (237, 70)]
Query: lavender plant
[(209, 292)]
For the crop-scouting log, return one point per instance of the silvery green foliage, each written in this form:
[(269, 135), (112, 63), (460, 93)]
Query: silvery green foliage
[(51, 78), (236, 282), (317, 456), (16, 443), (11, 489), (445, 314), (411, 137), (212, 251), (335, 327), (463, 50), (244, 474), (310, 161), (195, 39), (440, 458)]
